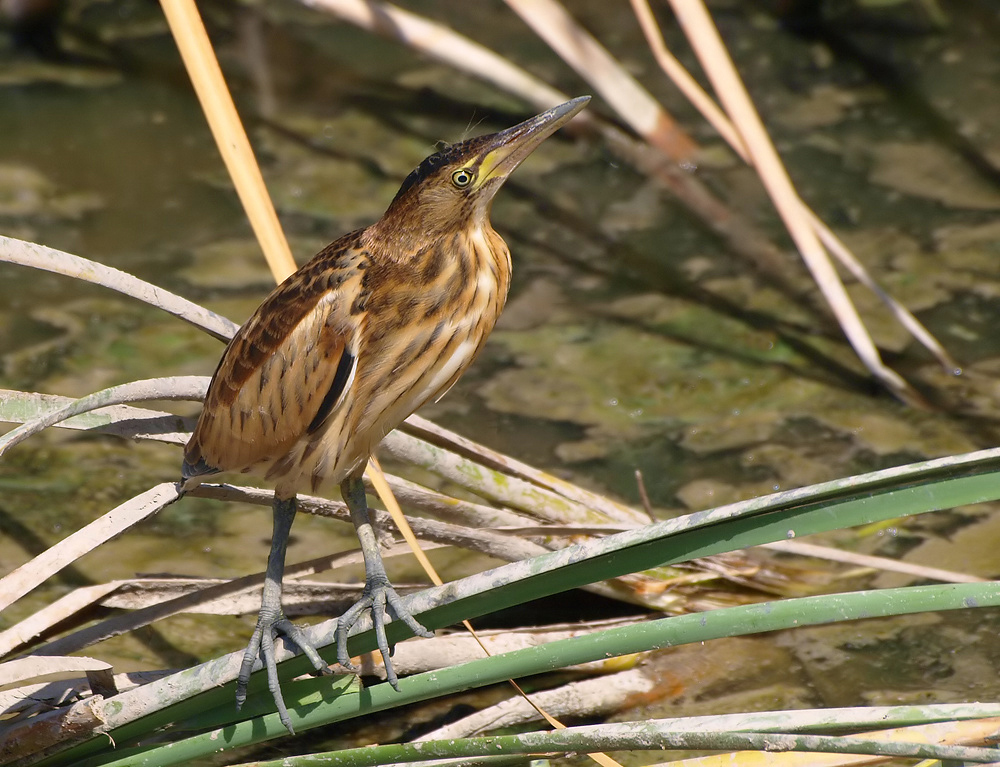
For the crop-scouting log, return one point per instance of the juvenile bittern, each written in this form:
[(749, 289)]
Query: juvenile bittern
[(378, 323)]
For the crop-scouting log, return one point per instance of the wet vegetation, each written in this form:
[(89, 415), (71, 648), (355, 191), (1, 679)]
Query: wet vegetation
[(642, 335)]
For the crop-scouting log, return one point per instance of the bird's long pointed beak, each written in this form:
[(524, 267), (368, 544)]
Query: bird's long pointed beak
[(510, 147)]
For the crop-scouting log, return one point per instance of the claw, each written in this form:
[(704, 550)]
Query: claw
[(378, 594), (262, 644)]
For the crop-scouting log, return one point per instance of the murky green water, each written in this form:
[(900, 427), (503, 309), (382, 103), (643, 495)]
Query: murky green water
[(633, 339)]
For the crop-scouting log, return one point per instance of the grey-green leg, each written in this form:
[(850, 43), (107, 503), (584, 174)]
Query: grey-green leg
[(378, 592), (271, 621)]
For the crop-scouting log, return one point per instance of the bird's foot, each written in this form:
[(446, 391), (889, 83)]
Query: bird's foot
[(378, 594), (270, 626)]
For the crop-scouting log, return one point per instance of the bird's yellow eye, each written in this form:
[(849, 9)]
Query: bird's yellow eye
[(462, 178)]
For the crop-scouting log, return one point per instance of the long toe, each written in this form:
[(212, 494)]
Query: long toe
[(273, 683), (262, 645), (401, 613), (290, 631), (377, 597), (387, 596), (344, 624), (246, 667)]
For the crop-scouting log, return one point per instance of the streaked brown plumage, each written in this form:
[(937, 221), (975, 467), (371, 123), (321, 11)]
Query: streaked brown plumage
[(377, 324), (411, 326)]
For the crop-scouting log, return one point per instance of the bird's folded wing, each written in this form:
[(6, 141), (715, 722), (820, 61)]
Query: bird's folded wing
[(284, 372)]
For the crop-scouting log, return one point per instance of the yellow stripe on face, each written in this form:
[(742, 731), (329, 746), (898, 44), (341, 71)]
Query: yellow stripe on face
[(489, 164)]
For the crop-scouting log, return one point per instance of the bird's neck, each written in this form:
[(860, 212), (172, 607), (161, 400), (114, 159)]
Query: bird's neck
[(388, 241)]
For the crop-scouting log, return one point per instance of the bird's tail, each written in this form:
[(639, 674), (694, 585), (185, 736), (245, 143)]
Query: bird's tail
[(192, 473)]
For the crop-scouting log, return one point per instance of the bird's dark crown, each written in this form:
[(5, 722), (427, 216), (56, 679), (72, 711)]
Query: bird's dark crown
[(452, 154)]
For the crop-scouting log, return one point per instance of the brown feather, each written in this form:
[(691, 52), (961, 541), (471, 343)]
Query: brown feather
[(380, 322), (277, 370)]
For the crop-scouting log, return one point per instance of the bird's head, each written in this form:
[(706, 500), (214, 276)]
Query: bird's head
[(453, 189)]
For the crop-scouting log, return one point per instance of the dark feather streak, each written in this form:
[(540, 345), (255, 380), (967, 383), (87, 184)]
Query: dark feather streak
[(340, 379)]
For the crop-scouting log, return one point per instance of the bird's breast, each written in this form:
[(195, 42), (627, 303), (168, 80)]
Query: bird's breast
[(425, 326)]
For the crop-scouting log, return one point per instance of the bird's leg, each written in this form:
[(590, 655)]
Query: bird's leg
[(378, 591), (271, 621)]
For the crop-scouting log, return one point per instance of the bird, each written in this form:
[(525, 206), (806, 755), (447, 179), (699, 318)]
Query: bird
[(378, 323)]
